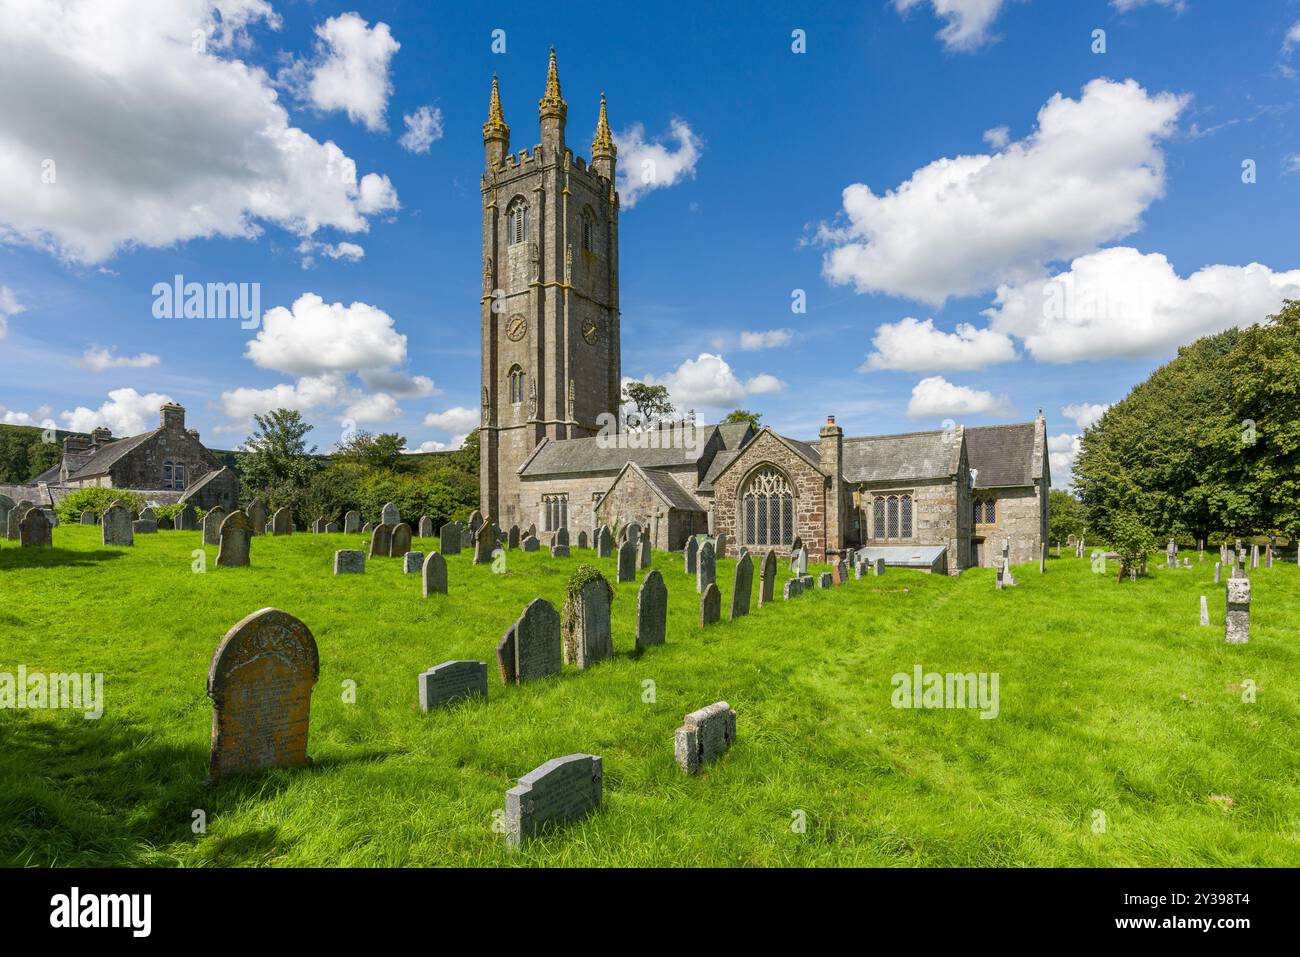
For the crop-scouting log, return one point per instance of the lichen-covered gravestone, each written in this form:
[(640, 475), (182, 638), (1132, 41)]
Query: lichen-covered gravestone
[(260, 684), (531, 648), (426, 527), (116, 526), (449, 539), (651, 611), (282, 522), (627, 562), (560, 791), (743, 586), (400, 542), (389, 515), (256, 513), (87, 518), (790, 589), (604, 542), (587, 637), (825, 580), (452, 681), (485, 541), (412, 562), (34, 529), (710, 605), (233, 540), (351, 522), (645, 550), (706, 572), (767, 579), (582, 540), (349, 561), (381, 541), (434, 575), (704, 736), (1237, 621), (530, 543), (841, 572), (690, 555), (559, 551), (212, 520)]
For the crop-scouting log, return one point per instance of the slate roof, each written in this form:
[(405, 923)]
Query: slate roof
[(595, 454), (103, 459), (1002, 454), (896, 458)]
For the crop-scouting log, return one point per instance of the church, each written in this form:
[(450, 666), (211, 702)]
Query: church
[(939, 501)]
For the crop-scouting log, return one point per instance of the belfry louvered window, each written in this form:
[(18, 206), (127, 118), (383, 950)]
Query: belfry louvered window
[(767, 510), (517, 226)]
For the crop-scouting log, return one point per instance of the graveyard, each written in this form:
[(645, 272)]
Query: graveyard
[(1113, 699)]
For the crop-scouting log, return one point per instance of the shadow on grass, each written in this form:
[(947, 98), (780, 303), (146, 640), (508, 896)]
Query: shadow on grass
[(44, 557)]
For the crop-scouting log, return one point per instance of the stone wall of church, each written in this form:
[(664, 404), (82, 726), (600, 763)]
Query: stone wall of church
[(632, 499), (1021, 517), (936, 516)]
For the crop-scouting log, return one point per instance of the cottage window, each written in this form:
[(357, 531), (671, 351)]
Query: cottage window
[(767, 510)]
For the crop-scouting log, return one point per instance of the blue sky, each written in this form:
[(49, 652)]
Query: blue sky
[(985, 216)]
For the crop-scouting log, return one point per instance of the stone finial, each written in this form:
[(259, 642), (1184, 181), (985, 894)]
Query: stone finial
[(603, 144), (495, 127), (552, 102)]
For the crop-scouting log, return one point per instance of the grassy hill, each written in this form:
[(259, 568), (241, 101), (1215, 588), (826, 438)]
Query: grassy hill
[(1112, 698)]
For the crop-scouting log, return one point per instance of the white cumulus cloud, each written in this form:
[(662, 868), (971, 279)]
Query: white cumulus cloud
[(764, 384), (314, 337), (1085, 414), (1121, 303), (456, 420), (349, 72), (646, 165), (1124, 6), (772, 339), (962, 226), (38, 419), (936, 397), (99, 359), (126, 135), (126, 412), (967, 25), (913, 345), (1062, 450), (305, 395), (423, 129), (9, 306), (373, 409)]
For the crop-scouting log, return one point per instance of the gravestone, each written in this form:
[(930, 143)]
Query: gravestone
[(796, 544), (485, 541), (651, 611), (116, 528), (878, 568), (351, 522), (559, 792), (799, 562), (185, 520), (452, 681), (349, 561), (390, 515), (587, 637), (87, 518), (212, 520), (720, 545), (367, 528), (449, 539), (1237, 620), (633, 532), (233, 541), (381, 541), (318, 526), (790, 589), (149, 515), (627, 562), (645, 551), (426, 527), (434, 575), (825, 580), (1000, 581), (1268, 557), (841, 572), (1218, 572), (260, 683), (513, 540), (559, 551), (7, 506), (475, 522), (742, 587), (256, 513), (412, 562), (582, 539), (282, 522), (144, 526), (333, 528), (1205, 611), (767, 579), (34, 529), (1254, 556), (530, 543), (531, 648), (561, 538), (704, 736), (691, 554), (710, 605), (400, 542), (1171, 554), (604, 542), (706, 572)]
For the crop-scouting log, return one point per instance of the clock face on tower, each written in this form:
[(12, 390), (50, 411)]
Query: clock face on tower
[(590, 330), (516, 327)]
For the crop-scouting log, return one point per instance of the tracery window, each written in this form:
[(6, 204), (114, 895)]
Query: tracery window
[(892, 516), (515, 379), (767, 510), (555, 512)]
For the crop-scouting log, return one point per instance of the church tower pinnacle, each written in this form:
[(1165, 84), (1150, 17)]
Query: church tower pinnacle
[(552, 110), (603, 150), (496, 134)]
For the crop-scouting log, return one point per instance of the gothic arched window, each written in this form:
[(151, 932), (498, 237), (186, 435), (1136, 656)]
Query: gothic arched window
[(588, 229), (517, 222), (767, 510), (555, 512), (515, 380)]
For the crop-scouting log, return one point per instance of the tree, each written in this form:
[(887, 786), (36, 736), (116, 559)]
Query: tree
[(1065, 515), (278, 464), (651, 402), (383, 451), (1131, 539), (465, 459), (741, 415)]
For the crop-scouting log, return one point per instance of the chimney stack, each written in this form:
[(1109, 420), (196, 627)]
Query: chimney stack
[(831, 448), (172, 416)]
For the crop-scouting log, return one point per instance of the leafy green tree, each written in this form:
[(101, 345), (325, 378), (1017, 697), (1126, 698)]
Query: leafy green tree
[(466, 458), (1066, 516), (1131, 539), (383, 451), (650, 402), (97, 500), (278, 464), (742, 415)]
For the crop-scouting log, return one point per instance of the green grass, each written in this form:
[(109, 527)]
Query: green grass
[(1112, 698)]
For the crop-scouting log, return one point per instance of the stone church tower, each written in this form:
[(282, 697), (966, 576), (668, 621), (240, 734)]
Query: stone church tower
[(550, 317)]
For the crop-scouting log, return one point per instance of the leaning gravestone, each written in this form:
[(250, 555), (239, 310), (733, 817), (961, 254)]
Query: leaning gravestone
[(710, 605), (87, 518), (34, 529), (560, 791), (449, 539), (704, 736), (282, 522), (412, 562), (434, 575), (706, 572), (691, 554), (351, 522), (212, 520), (400, 541), (767, 579), (452, 681), (651, 611), (116, 526), (349, 561), (260, 684), (530, 543), (744, 584), (531, 648), (389, 515), (381, 541), (627, 562), (485, 541), (587, 637), (1237, 621), (604, 542), (426, 527), (256, 513), (233, 540)]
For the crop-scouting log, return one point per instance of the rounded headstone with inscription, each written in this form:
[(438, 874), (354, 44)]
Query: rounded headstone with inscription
[(434, 575), (233, 540), (116, 527), (212, 520)]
